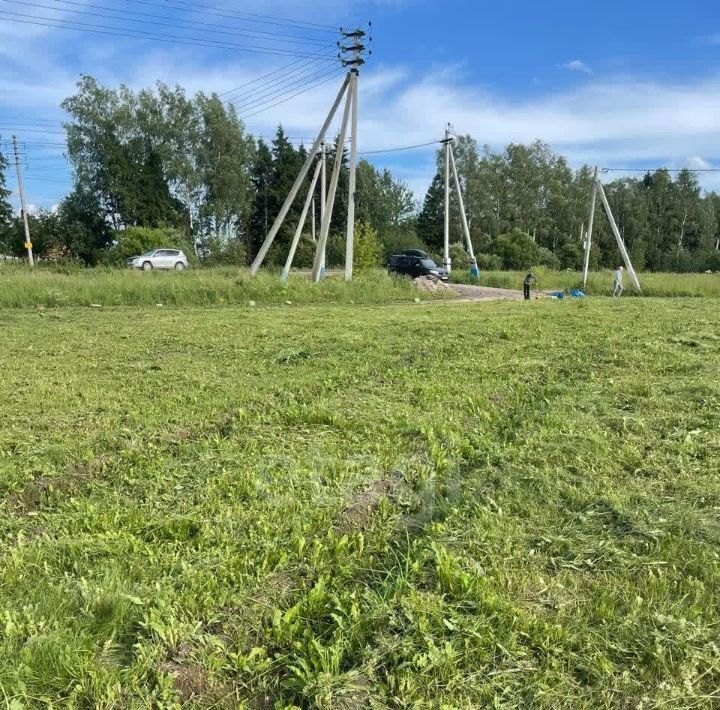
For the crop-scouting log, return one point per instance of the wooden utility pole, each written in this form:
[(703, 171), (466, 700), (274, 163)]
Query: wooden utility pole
[(23, 207)]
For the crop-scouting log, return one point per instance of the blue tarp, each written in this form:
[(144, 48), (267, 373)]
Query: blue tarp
[(576, 293), (557, 294)]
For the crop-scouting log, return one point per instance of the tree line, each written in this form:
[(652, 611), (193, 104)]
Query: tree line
[(158, 167), (526, 206)]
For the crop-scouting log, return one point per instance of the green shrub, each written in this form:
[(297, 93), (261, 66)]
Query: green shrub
[(518, 251), (545, 257), (570, 255), (459, 256), (488, 262), (335, 250), (367, 249), (305, 253), (398, 239), (228, 252)]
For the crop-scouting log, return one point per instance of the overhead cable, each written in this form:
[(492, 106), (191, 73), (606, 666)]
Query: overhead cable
[(238, 15), (57, 23), (131, 16)]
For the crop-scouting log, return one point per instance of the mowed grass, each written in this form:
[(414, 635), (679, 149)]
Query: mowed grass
[(55, 287), (600, 283), (448, 505)]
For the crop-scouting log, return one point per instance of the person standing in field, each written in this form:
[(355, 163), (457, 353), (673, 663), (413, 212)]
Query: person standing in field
[(529, 281), (618, 289)]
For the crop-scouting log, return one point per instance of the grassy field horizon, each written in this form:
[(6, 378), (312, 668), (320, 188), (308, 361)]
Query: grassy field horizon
[(600, 283), (58, 287), (429, 505), (21, 287)]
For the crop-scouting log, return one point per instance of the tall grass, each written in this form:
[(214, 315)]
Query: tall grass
[(54, 287), (601, 283), (22, 287)]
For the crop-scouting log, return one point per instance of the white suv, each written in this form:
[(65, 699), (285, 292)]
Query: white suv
[(159, 259)]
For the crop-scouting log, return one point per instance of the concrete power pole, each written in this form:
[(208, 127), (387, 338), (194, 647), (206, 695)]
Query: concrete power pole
[(23, 206), (447, 262), (323, 196), (474, 272), (348, 92), (334, 177), (591, 222), (350, 232), (299, 181), (355, 49), (618, 236)]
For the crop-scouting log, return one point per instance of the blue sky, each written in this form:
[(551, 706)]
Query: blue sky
[(615, 83)]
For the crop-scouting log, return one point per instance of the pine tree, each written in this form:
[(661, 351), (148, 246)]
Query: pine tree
[(261, 175), (287, 162), (430, 226), (5, 208), (338, 224)]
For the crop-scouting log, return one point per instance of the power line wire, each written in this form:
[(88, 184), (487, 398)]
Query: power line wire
[(279, 91), (25, 129), (280, 83), (285, 100), (655, 170), (260, 78), (396, 150), (140, 34), (34, 144), (236, 94), (236, 15), (165, 21), (30, 121), (47, 179)]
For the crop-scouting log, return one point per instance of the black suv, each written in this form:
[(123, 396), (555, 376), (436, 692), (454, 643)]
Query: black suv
[(414, 263)]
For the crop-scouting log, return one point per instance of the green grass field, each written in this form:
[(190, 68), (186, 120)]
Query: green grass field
[(53, 287), (57, 287), (600, 283), (434, 505)]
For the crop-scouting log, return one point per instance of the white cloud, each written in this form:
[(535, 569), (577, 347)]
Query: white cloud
[(577, 65), (698, 163), (623, 120)]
